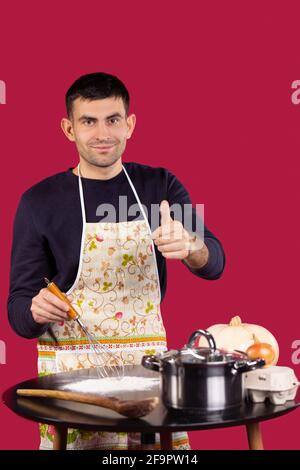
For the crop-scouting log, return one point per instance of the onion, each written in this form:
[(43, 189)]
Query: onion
[(261, 351)]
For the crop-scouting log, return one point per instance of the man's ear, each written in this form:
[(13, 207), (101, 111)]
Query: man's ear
[(67, 128), (131, 121)]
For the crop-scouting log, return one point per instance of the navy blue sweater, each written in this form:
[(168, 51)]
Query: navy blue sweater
[(48, 227)]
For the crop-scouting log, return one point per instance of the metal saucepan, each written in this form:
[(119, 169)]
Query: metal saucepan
[(201, 379)]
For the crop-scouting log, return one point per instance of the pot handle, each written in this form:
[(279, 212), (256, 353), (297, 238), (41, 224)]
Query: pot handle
[(242, 366), (208, 336), (151, 362)]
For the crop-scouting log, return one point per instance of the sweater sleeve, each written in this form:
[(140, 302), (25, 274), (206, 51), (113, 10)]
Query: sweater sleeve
[(177, 194), (30, 262)]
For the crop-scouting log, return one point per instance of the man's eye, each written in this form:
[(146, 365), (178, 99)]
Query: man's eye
[(88, 122), (114, 119)]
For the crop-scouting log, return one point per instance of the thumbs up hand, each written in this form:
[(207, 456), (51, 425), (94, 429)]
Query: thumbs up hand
[(171, 238)]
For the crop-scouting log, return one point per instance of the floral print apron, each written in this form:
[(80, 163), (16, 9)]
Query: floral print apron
[(117, 293)]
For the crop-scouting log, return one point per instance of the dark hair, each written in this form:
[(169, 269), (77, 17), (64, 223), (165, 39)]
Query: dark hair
[(96, 86)]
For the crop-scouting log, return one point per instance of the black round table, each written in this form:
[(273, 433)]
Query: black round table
[(63, 415)]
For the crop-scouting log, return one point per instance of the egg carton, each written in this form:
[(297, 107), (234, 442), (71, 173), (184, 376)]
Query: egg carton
[(276, 398), (278, 384)]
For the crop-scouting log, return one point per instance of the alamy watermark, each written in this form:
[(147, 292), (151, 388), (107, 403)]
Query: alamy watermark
[(296, 354), (2, 352), (173, 221), (2, 101), (2, 92)]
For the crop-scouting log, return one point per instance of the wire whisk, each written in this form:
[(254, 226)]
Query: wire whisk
[(106, 363)]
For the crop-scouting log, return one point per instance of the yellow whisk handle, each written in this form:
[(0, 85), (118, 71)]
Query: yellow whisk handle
[(56, 291)]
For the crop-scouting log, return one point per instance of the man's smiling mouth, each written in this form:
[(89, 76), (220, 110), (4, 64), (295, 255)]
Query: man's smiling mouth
[(102, 148)]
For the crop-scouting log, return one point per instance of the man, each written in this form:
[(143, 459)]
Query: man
[(104, 260)]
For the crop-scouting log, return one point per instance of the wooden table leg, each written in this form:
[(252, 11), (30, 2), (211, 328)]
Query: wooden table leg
[(254, 436), (166, 442), (148, 441), (60, 438)]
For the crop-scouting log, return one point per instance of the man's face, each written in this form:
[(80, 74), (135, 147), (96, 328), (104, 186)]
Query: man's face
[(100, 129)]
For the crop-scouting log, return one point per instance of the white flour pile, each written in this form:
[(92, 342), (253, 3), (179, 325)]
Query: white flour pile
[(110, 385)]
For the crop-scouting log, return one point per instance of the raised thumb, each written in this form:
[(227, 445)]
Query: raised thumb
[(165, 212)]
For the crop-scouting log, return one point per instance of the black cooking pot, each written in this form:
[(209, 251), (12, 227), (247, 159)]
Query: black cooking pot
[(201, 379)]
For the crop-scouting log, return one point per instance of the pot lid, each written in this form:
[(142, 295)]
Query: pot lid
[(207, 356), (204, 355)]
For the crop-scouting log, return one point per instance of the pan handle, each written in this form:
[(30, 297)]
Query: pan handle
[(246, 366), (151, 362)]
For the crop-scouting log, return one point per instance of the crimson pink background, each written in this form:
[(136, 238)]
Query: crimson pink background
[(210, 83)]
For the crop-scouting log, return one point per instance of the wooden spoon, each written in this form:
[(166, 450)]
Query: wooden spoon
[(129, 408)]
